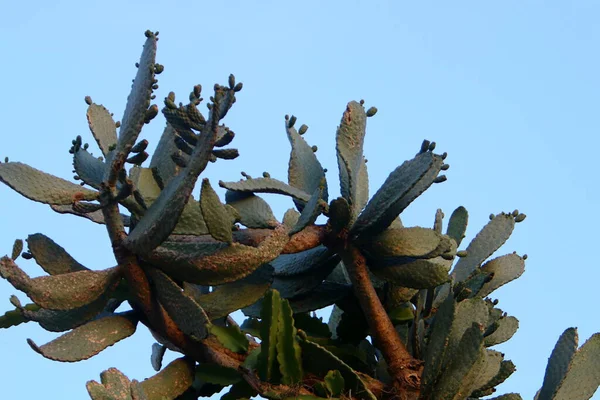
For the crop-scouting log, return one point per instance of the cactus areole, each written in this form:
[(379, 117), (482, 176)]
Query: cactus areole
[(408, 322)]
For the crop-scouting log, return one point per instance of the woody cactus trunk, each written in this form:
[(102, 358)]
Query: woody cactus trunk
[(408, 322)]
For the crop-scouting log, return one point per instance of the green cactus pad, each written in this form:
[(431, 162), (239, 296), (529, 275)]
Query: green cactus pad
[(303, 262), (254, 211), (88, 340), (334, 382), (184, 310), (217, 374), (114, 386), (305, 171), (171, 382), (161, 159), (144, 181), (231, 337), (506, 369), (50, 256), (225, 299), (290, 218), (457, 225), (64, 320), (417, 274), (507, 327), (349, 145), (394, 195), (266, 185), (191, 221), (95, 216), (225, 265), (437, 345), (269, 316), (320, 361), (15, 317), (217, 219), (406, 242), (487, 241), (102, 126), (89, 168), (505, 269), (462, 359), (508, 396), (61, 292), (582, 377), (289, 355), (467, 312), (137, 393), (42, 187), (156, 359), (484, 370), (313, 208), (298, 285), (138, 100)]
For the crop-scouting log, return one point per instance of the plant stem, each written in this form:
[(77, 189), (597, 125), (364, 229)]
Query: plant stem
[(401, 365)]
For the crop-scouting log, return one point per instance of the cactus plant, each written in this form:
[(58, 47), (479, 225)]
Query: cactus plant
[(184, 264)]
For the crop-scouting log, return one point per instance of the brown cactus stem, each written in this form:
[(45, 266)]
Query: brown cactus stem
[(401, 365)]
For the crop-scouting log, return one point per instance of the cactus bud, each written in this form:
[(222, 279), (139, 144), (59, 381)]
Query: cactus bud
[(137, 65), (292, 121), (462, 253), (117, 124), (444, 155), (5, 159), (88, 100), (314, 149), (520, 218), (231, 81), (362, 102), (440, 179), (432, 146), (140, 146), (150, 113), (178, 159), (445, 167), (197, 90), (524, 257), (515, 213), (371, 111), (302, 130), (238, 87), (158, 68), (424, 146), (138, 158), (266, 175), (148, 33), (27, 255)]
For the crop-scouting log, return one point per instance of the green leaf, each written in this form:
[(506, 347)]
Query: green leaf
[(102, 126), (184, 310), (42, 187), (583, 376), (305, 171), (406, 242), (233, 296), (461, 360), (218, 220), (89, 168), (457, 225), (505, 269), (289, 355), (161, 160), (228, 264), (115, 386), (269, 316), (138, 100), (61, 292), (50, 256), (418, 274), (253, 210), (320, 361), (217, 374), (437, 345), (507, 327), (171, 382), (158, 352), (349, 145), (231, 337), (334, 382), (487, 241), (314, 207), (266, 185), (397, 193), (87, 340)]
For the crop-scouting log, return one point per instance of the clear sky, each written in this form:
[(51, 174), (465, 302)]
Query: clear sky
[(509, 89)]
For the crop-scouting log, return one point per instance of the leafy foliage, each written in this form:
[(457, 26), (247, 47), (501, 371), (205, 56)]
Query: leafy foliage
[(184, 266)]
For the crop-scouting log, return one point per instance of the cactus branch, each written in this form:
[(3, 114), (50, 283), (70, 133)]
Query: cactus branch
[(405, 370)]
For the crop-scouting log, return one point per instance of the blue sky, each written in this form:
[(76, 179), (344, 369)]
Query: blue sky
[(509, 89)]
